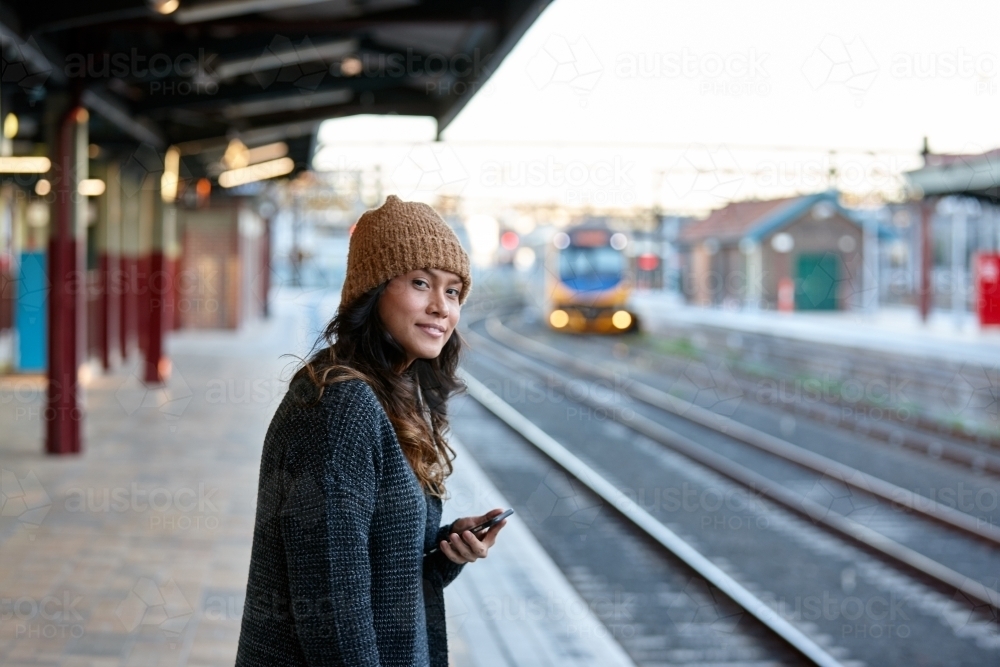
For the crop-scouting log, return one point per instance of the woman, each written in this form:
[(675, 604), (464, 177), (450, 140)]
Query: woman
[(344, 569)]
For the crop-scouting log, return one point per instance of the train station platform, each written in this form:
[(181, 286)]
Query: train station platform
[(136, 552), (895, 330)]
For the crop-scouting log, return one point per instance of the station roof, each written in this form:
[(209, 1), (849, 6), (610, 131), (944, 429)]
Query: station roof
[(260, 70), (956, 174), (756, 219)]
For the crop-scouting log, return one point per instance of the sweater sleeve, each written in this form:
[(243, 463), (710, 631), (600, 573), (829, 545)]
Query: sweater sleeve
[(326, 514), (439, 563)]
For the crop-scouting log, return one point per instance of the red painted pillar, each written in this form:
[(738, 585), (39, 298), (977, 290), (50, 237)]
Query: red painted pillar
[(141, 287), (925, 292), (67, 255), (126, 313)]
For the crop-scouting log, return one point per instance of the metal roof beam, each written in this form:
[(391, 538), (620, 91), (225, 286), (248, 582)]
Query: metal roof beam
[(119, 116), (211, 11), (271, 60)]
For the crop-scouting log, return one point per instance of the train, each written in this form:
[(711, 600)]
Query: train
[(588, 282)]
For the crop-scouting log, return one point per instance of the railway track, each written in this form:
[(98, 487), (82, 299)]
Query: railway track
[(754, 358), (928, 571), (857, 480)]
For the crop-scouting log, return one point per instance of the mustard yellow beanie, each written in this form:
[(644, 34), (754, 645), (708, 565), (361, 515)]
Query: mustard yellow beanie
[(399, 237)]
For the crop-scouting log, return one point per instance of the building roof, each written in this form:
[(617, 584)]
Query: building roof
[(752, 219), (955, 174)]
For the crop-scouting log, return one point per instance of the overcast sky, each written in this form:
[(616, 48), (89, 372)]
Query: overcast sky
[(686, 105)]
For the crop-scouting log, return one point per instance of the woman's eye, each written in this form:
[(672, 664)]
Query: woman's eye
[(420, 282), (453, 292)]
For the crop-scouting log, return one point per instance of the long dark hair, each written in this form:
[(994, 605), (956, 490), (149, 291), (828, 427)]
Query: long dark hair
[(358, 346)]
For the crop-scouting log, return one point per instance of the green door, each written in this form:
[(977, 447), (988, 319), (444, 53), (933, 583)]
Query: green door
[(816, 282)]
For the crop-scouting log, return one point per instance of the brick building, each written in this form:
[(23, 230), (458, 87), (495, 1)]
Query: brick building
[(743, 253)]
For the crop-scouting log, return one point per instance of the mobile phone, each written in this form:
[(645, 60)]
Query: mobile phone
[(486, 525)]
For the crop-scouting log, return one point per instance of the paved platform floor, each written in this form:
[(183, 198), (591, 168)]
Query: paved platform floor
[(136, 552)]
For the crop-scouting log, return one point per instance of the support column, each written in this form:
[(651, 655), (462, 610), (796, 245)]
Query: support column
[(172, 254), (129, 304), (265, 268), (109, 269), (959, 233), (66, 267), (924, 293), (147, 220), (872, 266), (754, 262), (160, 293)]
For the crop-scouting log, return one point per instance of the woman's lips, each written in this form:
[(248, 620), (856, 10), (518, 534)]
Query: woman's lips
[(432, 330)]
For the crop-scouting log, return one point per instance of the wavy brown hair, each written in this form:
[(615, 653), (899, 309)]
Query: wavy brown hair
[(415, 398)]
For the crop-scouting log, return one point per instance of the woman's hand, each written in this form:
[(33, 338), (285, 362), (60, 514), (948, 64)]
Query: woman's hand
[(462, 546)]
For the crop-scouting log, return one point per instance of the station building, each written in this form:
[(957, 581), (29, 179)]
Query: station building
[(802, 252)]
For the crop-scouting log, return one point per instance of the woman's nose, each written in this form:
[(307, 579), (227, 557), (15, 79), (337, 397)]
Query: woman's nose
[(438, 303)]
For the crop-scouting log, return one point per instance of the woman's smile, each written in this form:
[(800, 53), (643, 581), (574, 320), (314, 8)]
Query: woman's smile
[(433, 330)]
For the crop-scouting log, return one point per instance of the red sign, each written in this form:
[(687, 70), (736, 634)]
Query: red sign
[(988, 287), (590, 238), (786, 295), (648, 262)]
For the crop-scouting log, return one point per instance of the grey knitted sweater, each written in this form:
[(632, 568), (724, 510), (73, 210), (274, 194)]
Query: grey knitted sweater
[(337, 571)]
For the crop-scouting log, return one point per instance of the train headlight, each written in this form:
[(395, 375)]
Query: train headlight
[(622, 320), (559, 318)]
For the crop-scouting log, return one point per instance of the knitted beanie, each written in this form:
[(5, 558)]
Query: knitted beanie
[(399, 237)]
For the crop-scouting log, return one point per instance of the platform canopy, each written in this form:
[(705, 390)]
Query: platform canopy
[(968, 175), (196, 73)]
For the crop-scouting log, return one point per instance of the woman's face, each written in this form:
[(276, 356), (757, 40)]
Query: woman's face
[(420, 311)]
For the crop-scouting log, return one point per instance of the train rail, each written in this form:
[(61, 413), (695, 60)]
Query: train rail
[(910, 563), (652, 527), (897, 424), (948, 578)]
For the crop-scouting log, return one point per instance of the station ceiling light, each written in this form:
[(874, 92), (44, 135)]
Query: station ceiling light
[(25, 165), (10, 126), (165, 7), (171, 175), (43, 187), (256, 172), (237, 155), (91, 187), (267, 152)]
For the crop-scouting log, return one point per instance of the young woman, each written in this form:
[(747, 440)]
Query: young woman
[(349, 561)]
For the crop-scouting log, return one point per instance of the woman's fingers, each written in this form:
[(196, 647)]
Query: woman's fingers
[(490, 537), (449, 553), (463, 546)]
